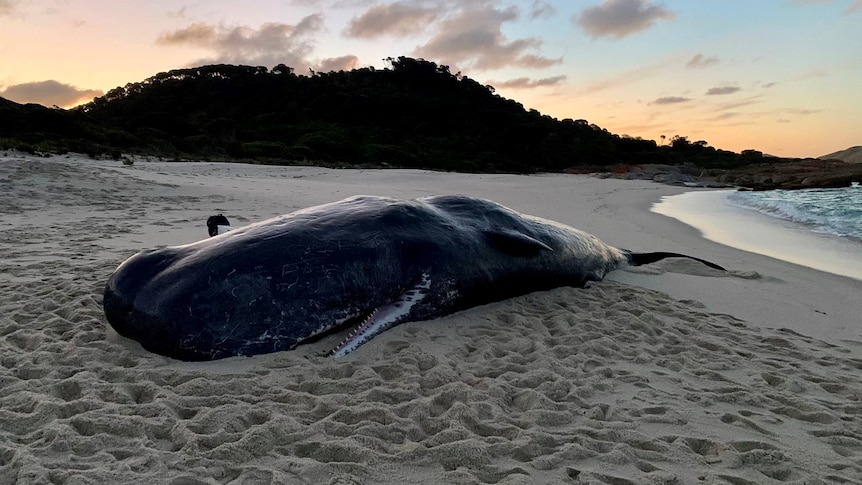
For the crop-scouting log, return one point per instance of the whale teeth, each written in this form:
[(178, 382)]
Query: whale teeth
[(384, 317), (353, 333)]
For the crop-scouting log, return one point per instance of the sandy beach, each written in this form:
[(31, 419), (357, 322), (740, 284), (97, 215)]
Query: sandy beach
[(671, 373)]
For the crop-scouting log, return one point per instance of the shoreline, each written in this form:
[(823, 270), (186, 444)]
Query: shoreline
[(749, 230), (665, 373), (768, 292)]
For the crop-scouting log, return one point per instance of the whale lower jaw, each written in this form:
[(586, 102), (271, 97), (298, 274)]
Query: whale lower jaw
[(384, 317)]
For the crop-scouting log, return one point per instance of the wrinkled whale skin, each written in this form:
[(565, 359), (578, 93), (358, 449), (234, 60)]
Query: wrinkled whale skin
[(269, 286)]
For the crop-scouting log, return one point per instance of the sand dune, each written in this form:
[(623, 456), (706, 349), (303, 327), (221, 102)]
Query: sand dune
[(613, 384)]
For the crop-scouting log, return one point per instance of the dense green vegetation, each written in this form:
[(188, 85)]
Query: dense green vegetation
[(412, 114)]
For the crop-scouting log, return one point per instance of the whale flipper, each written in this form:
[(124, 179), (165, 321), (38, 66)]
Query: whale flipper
[(515, 243)]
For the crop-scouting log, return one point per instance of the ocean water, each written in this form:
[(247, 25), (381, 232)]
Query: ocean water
[(821, 229), (836, 212)]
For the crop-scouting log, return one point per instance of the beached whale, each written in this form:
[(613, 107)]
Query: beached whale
[(372, 261)]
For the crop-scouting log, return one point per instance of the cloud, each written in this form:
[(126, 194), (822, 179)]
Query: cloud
[(670, 100), (199, 34), (527, 83), (178, 14), (343, 63), (698, 61), (803, 112), (621, 18), (337, 4), (543, 10), (49, 93), (7, 7), (856, 5), (474, 37), (400, 19), (632, 76), (270, 44), (725, 116), (739, 103), (722, 90)]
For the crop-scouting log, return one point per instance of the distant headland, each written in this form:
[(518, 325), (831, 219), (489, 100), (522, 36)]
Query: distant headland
[(413, 114)]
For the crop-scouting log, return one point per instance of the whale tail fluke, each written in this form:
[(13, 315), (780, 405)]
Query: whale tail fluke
[(637, 259)]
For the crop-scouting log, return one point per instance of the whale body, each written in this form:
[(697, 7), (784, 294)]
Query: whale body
[(371, 261)]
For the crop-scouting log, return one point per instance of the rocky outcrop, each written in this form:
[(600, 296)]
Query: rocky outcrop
[(803, 174), (850, 155), (687, 175)]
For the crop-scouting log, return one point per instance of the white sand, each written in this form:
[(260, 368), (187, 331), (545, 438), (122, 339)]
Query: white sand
[(669, 374)]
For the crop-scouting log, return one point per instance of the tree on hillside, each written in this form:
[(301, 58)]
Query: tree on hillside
[(413, 113)]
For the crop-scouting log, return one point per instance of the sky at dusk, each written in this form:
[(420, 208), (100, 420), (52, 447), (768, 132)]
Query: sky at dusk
[(780, 76)]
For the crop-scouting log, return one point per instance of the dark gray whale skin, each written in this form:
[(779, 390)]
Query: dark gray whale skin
[(269, 286)]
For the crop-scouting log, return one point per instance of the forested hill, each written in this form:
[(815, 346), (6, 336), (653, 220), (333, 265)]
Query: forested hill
[(413, 114)]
